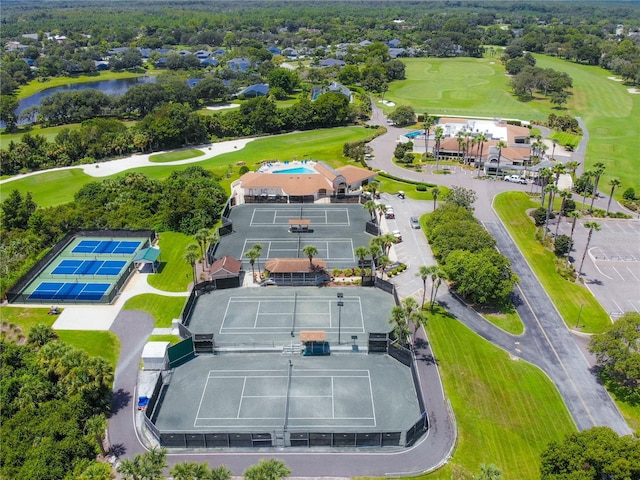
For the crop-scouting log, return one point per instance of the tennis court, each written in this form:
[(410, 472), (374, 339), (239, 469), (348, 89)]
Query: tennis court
[(89, 267), (334, 229), (331, 251), (106, 246), (337, 216), (61, 291), (271, 398), (275, 316), (268, 394), (81, 269), (264, 313)]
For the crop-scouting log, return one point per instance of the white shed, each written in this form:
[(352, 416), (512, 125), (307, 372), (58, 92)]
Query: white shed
[(154, 356)]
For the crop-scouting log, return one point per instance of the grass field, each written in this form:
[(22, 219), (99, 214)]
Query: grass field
[(175, 273), (461, 86), (172, 339), (507, 410), (566, 296), (53, 188), (611, 115), (507, 321), (98, 344), (176, 155), (162, 309)]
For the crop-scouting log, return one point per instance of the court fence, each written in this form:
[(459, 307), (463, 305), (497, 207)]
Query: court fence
[(15, 293)]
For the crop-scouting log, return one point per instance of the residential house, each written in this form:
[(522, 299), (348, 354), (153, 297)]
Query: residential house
[(332, 62), (257, 90), (239, 64), (274, 50)]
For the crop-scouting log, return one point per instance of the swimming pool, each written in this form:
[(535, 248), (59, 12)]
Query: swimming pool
[(295, 170)]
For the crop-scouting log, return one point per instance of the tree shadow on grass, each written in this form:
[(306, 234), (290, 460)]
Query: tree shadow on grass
[(621, 392)]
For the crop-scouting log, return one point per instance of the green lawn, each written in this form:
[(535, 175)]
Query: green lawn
[(391, 186), (461, 86), (506, 410), (611, 114), (172, 339), (96, 344), (162, 309), (565, 138), (37, 85), (176, 155), (175, 273), (99, 344), (507, 321), (53, 188), (567, 296)]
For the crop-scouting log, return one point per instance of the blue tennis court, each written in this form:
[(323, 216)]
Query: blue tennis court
[(89, 267), (106, 246), (69, 291)]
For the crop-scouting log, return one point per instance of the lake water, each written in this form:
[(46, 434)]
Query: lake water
[(115, 87)]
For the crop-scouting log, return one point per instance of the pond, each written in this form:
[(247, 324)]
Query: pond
[(114, 87)]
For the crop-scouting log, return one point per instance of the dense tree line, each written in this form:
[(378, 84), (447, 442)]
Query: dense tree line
[(54, 401), (186, 201), (467, 254), (171, 125)]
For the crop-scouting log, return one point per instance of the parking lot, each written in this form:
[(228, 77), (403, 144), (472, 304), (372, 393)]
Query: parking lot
[(611, 269)]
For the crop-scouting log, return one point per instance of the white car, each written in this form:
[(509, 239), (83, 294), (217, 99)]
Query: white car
[(515, 179)]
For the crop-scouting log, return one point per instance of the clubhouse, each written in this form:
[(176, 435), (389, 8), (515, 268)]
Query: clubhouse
[(304, 181)]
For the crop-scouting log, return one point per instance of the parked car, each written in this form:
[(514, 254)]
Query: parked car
[(515, 179), (389, 213), (415, 222), (398, 235)]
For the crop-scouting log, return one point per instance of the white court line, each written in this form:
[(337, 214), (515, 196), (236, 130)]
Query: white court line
[(244, 384), (195, 421), (632, 274), (373, 406), (255, 320), (333, 401)]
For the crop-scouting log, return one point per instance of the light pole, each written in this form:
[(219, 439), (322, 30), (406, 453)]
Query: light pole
[(579, 313), (340, 305)]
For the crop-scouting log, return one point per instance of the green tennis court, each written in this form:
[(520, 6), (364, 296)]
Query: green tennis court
[(334, 229)]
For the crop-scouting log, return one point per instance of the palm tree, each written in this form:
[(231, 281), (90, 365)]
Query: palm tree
[(436, 280), (599, 170), (383, 262), (435, 192), (400, 327), (481, 138), (501, 144), (191, 256), (310, 251), (438, 137), (373, 187), (375, 250), (370, 206), (613, 183), (212, 239), (146, 466), (558, 169), (587, 175), (429, 122), (565, 195), (388, 240), (95, 427), (424, 273), (381, 208), (545, 174), (575, 215), (252, 255), (572, 167), (591, 226), (361, 253), (460, 140), (553, 149), (271, 469), (258, 248), (201, 237), (410, 307), (550, 189), (190, 471)]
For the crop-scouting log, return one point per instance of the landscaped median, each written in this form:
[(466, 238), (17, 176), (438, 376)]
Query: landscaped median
[(568, 297)]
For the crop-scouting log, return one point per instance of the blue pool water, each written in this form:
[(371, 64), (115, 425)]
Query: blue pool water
[(295, 170)]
